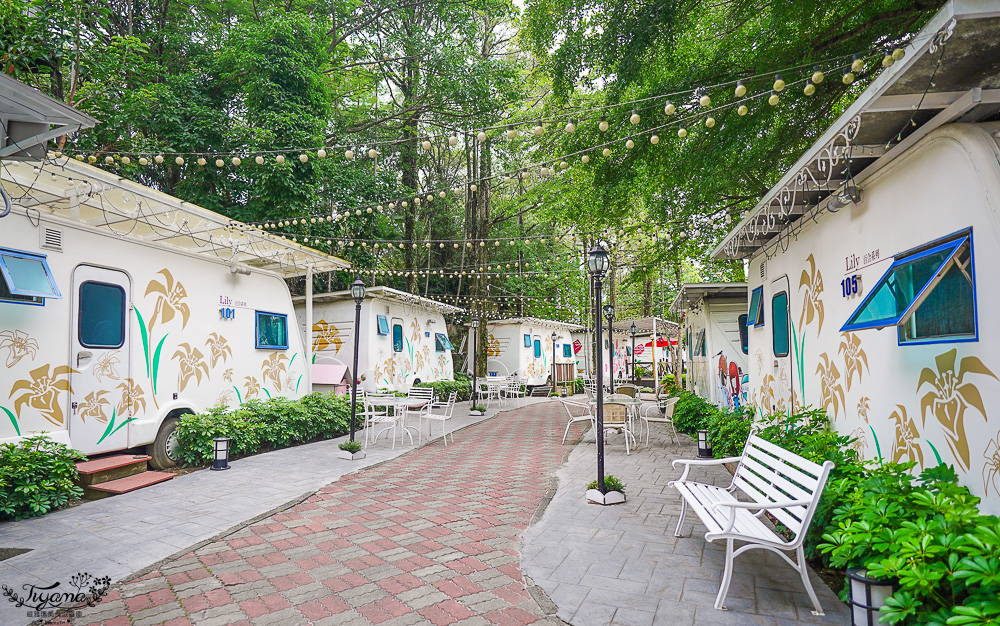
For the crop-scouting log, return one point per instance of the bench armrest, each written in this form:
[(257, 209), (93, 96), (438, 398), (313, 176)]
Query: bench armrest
[(731, 521), (689, 462)]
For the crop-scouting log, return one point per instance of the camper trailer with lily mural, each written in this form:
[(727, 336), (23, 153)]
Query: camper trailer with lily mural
[(123, 308)]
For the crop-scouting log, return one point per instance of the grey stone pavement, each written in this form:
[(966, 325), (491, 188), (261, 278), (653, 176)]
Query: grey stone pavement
[(124, 535), (622, 564)]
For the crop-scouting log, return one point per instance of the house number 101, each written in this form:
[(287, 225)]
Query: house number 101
[(850, 286)]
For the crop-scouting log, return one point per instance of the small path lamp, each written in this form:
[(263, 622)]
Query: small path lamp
[(475, 326), (597, 264), (632, 330), (867, 595), (358, 293), (221, 449), (554, 337), (609, 312)]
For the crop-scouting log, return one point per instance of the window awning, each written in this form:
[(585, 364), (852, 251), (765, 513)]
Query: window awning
[(28, 275)]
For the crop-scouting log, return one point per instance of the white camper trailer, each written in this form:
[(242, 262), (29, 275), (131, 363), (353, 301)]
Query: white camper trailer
[(583, 348), (404, 337), (715, 340), (522, 347), (653, 338), (122, 308), (881, 309)]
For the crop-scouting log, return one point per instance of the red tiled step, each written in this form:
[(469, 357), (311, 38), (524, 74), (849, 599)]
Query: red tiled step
[(131, 483), (106, 463)]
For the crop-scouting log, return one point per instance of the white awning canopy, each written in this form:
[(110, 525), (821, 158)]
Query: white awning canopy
[(31, 118), (97, 199)]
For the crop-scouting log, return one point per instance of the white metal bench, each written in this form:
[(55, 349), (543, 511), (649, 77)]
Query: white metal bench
[(776, 481)]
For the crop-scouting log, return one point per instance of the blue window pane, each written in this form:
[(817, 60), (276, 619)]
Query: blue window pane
[(383, 325), (756, 316), (272, 331), (538, 348), (744, 334), (527, 341), (102, 315), (27, 275), (567, 351), (948, 311), (779, 324), (442, 343), (397, 338)]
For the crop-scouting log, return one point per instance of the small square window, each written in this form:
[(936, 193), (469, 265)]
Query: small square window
[(442, 343), (383, 325), (102, 315), (26, 277), (567, 351), (272, 331), (744, 334), (397, 337), (527, 341), (756, 316)]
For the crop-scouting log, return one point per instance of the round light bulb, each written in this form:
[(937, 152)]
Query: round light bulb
[(563, 165), (585, 158), (426, 145), (570, 127), (682, 133), (158, 159), (809, 89), (705, 101), (545, 171), (538, 130), (441, 194), (603, 125), (236, 161), (373, 153), (481, 136), (201, 161), (817, 77), (143, 161), (321, 153), (741, 89), (606, 152), (109, 160), (280, 159), (473, 187), (655, 139), (774, 99), (453, 141), (847, 78), (743, 110), (888, 61), (349, 154), (179, 160), (511, 133), (220, 163), (629, 144), (898, 54), (303, 158), (857, 65), (669, 108), (259, 160), (710, 122), (634, 118), (126, 160)]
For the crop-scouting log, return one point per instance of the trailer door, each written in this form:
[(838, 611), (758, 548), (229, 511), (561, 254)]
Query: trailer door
[(782, 385), (105, 398)]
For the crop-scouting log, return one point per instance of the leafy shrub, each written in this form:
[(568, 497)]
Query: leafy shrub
[(479, 407), (610, 484), (37, 475), (351, 446), (444, 388), (691, 413), (268, 424), (578, 385), (728, 432)]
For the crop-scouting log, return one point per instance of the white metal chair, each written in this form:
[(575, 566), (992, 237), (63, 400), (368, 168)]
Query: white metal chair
[(660, 413), (573, 419), (439, 412), (417, 401), (514, 391), (616, 418), (374, 416), (483, 392)]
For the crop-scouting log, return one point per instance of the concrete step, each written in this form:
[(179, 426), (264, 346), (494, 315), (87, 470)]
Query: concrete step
[(124, 485), (111, 467)]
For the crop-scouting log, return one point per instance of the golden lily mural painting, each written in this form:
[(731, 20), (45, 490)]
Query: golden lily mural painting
[(170, 300), (94, 405), (132, 399), (105, 367), (42, 391), (864, 404), (812, 305), (251, 386), (19, 345), (492, 346), (219, 348), (833, 391), (949, 396), (327, 335), (855, 359), (991, 469), (906, 444), (273, 368), (228, 375), (192, 365)]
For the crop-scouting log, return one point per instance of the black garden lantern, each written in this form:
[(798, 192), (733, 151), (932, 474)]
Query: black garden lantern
[(704, 445), (221, 453), (866, 596)]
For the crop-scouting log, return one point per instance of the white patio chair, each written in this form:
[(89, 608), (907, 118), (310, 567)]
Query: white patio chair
[(514, 391), (439, 412), (573, 419), (375, 415), (616, 418), (483, 393), (417, 401), (660, 413)]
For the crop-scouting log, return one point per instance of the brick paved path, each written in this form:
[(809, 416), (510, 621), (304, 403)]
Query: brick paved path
[(432, 537)]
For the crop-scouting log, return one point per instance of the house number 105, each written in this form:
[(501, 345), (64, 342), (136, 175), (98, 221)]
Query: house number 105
[(850, 286)]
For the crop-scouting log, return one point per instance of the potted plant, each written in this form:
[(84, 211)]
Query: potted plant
[(614, 491), (477, 410), (351, 450)]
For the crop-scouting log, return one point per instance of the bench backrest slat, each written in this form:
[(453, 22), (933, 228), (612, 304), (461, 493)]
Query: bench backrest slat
[(769, 473)]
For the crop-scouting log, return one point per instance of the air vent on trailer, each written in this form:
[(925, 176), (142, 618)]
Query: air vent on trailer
[(50, 238), (763, 273)]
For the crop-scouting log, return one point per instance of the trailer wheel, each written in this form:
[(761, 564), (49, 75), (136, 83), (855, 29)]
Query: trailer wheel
[(163, 450)]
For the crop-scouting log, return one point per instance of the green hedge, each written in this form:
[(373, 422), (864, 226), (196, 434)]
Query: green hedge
[(442, 389), (37, 475), (260, 425), (925, 531)]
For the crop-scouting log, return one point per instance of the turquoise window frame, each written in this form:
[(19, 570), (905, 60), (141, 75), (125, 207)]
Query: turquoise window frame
[(527, 341), (779, 321), (442, 343), (755, 317), (951, 246), (744, 333), (397, 337), (256, 331), (538, 348), (86, 326), (567, 351), (699, 347), (11, 284), (382, 325)]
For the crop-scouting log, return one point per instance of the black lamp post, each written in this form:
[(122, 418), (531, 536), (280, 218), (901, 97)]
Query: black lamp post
[(609, 312), (598, 263), (475, 325), (554, 337), (358, 293), (632, 330)]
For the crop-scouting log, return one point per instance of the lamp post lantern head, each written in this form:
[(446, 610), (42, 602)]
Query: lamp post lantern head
[(555, 335), (609, 312), (474, 323), (632, 329), (598, 261), (358, 291)]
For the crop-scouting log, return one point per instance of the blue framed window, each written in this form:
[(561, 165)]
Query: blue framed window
[(26, 278), (527, 341), (756, 316), (397, 337), (744, 334), (442, 343), (272, 331), (538, 348), (699, 346), (928, 293), (102, 315), (567, 351), (383, 325), (779, 323)]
